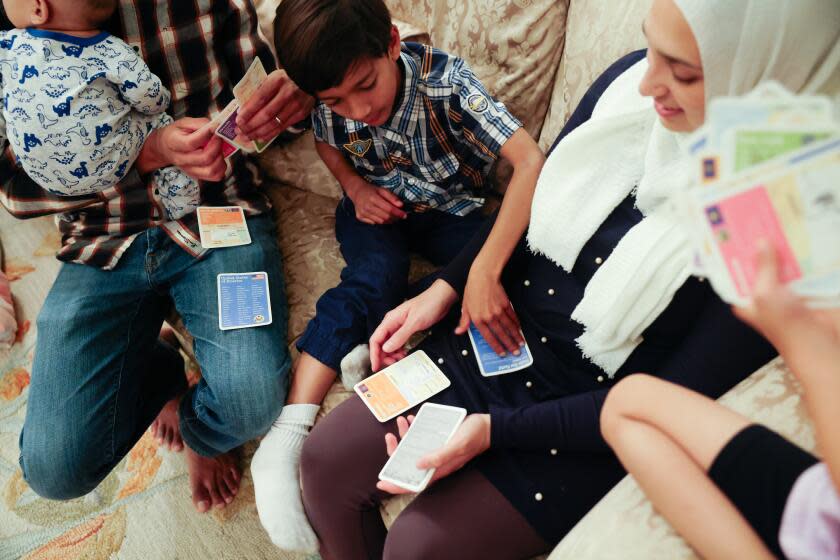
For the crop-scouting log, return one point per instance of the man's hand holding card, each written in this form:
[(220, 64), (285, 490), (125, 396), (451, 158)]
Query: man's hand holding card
[(275, 105)]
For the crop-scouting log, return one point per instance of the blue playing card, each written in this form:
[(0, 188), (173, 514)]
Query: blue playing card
[(490, 363), (244, 300)]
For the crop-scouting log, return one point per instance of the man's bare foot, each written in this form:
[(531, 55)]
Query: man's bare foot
[(214, 481), (165, 427)]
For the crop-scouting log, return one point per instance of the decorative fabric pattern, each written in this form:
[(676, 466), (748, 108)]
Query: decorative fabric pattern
[(77, 112)]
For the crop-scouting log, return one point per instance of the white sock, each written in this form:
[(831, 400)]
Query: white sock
[(275, 470), (355, 366)]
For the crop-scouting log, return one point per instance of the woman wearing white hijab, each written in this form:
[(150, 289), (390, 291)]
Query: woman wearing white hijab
[(601, 290)]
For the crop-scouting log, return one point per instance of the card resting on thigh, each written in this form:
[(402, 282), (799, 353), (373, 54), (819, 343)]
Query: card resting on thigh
[(244, 300), (401, 386), (222, 226), (490, 363)]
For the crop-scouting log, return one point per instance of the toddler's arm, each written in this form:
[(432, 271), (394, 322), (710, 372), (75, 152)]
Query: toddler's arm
[(136, 82)]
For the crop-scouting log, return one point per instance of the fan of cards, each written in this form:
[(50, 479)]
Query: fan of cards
[(225, 122), (768, 169)]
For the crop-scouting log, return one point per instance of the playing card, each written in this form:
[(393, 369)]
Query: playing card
[(244, 300)]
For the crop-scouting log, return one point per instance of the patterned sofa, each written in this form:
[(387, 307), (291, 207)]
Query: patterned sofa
[(538, 56)]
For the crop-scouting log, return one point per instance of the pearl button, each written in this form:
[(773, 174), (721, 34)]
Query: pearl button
[(554, 452), (598, 260), (538, 496), (440, 360), (527, 282), (702, 279), (600, 379), (543, 340), (551, 291), (464, 353), (529, 384)]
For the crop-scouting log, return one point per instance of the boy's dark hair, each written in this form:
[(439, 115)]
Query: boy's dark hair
[(318, 41)]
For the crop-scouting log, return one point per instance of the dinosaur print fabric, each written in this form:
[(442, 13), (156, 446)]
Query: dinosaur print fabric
[(77, 111)]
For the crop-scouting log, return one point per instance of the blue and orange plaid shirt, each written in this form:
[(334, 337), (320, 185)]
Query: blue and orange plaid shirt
[(437, 149), (198, 49)]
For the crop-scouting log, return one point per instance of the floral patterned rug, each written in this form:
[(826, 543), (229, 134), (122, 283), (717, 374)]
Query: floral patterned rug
[(143, 509)]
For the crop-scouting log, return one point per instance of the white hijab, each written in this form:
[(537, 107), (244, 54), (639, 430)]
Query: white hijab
[(624, 147)]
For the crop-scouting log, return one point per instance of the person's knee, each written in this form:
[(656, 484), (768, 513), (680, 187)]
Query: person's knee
[(620, 403), (322, 459), (249, 406), (248, 412), (410, 538), (336, 458), (61, 473)]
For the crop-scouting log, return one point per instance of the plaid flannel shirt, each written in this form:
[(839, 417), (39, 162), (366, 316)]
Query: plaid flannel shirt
[(439, 145), (198, 49)]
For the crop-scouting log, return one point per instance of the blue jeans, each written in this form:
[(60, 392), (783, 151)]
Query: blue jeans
[(101, 375), (375, 279)]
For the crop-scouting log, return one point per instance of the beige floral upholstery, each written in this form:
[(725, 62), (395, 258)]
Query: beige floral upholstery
[(598, 33)]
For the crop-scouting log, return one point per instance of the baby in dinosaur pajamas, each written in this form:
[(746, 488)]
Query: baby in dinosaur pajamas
[(77, 108)]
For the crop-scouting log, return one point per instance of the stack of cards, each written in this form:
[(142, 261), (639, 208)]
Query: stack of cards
[(768, 168), (224, 124)]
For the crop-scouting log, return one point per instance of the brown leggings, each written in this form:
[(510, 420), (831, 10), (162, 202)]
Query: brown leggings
[(461, 516)]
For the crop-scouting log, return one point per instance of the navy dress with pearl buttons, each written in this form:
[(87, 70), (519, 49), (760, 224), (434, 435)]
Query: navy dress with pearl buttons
[(547, 455)]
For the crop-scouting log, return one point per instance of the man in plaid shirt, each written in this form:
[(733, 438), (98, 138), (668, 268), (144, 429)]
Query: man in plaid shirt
[(101, 375)]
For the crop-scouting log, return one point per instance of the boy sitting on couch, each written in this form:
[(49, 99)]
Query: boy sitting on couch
[(411, 135)]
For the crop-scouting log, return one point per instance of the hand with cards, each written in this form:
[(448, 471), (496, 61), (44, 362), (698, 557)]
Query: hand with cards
[(278, 98), (768, 170), (276, 105), (401, 386), (438, 442)]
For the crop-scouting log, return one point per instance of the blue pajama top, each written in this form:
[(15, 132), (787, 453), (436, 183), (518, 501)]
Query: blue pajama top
[(547, 455)]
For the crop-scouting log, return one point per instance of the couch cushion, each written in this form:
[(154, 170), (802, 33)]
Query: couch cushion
[(598, 33)]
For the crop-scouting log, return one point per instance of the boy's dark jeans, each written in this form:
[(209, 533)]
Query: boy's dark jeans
[(375, 279)]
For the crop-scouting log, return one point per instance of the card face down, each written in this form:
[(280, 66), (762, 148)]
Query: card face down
[(401, 386), (244, 300)]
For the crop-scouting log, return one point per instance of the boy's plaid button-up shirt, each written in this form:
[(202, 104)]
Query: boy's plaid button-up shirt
[(198, 49), (441, 141)]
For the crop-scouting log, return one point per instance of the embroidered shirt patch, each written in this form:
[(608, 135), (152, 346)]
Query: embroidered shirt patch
[(477, 103), (359, 148)]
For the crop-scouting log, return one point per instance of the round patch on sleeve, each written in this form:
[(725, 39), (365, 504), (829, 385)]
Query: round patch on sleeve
[(477, 103)]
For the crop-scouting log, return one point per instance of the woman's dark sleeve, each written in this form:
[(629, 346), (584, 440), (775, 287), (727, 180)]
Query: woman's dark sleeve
[(456, 273), (717, 353)]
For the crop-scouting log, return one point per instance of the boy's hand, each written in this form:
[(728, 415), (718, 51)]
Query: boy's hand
[(375, 205), (274, 107), (487, 306)]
